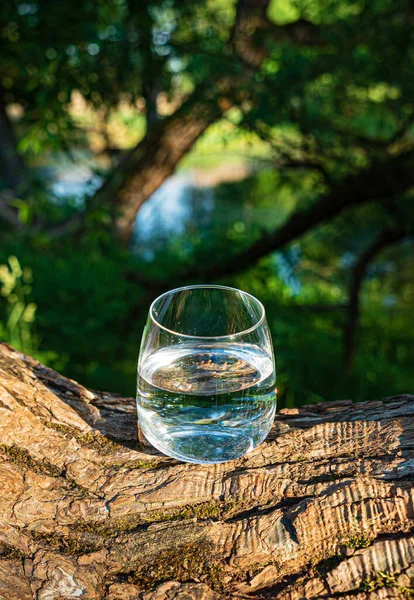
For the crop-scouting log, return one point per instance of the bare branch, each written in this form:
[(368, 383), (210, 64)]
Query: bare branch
[(297, 157), (310, 164), (90, 510), (146, 166)]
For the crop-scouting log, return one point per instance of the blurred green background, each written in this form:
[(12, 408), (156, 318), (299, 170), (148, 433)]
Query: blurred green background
[(264, 144)]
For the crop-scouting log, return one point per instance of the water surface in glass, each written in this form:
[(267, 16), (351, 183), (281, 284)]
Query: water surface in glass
[(206, 374)]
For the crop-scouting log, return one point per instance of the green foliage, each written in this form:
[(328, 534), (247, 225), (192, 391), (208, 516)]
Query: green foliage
[(307, 327), (359, 541), (383, 579), (336, 105), (83, 311), (91, 315), (17, 312)]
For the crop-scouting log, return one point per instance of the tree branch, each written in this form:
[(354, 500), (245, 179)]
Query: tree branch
[(384, 179), (297, 157), (386, 238), (89, 511), (253, 30), (147, 166), (142, 170)]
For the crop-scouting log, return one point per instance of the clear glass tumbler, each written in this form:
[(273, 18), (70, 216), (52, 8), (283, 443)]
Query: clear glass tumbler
[(206, 390)]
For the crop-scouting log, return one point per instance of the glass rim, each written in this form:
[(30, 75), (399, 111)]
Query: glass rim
[(208, 337)]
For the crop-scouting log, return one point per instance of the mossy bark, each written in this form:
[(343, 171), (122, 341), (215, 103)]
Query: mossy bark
[(323, 509)]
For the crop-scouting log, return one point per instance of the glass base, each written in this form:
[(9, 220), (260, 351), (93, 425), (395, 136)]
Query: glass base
[(195, 445)]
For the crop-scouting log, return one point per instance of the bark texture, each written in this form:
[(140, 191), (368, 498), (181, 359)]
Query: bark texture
[(323, 509)]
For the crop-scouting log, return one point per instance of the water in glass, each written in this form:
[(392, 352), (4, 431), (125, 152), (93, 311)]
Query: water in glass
[(206, 401)]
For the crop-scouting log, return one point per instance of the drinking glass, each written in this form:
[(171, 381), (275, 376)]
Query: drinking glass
[(206, 389)]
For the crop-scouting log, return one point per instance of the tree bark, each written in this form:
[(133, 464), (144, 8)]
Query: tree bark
[(323, 509)]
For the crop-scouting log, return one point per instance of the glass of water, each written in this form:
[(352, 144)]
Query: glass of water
[(206, 389)]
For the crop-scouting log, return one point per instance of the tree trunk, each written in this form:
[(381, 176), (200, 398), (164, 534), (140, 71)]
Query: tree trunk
[(148, 165), (323, 509)]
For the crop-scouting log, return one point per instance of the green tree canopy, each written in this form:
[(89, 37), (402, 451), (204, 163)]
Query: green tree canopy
[(325, 88)]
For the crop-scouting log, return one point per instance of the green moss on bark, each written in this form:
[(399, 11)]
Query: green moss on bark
[(21, 457), (194, 561)]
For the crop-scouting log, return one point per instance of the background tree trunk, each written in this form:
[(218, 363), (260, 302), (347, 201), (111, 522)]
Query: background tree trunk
[(323, 509), (167, 141), (148, 165)]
